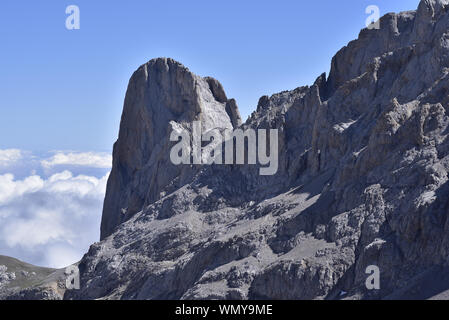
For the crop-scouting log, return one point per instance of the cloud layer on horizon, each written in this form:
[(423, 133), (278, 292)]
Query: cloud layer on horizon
[(89, 159), (51, 216)]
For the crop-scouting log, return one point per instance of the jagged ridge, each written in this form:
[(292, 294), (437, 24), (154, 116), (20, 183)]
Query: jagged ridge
[(362, 180)]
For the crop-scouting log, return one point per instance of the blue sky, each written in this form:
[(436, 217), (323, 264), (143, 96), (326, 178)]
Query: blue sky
[(64, 90)]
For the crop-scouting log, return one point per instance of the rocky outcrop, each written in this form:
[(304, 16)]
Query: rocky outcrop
[(6, 277), (23, 281), (362, 180)]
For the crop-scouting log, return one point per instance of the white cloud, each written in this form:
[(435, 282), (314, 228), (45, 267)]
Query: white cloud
[(9, 156), (40, 229), (61, 255), (50, 221), (13, 189), (86, 159)]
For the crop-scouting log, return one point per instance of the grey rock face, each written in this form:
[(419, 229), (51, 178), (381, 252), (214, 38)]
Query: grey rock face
[(6, 277), (161, 95), (362, 180)]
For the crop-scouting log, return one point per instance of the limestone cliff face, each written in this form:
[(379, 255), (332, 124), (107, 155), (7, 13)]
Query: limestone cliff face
[(161, 94), (362, 180)]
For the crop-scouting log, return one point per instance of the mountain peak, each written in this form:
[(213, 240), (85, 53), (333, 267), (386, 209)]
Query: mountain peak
[(160, 93)]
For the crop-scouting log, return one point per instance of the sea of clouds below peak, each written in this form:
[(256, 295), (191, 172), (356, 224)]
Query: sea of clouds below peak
[(51, 204)]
